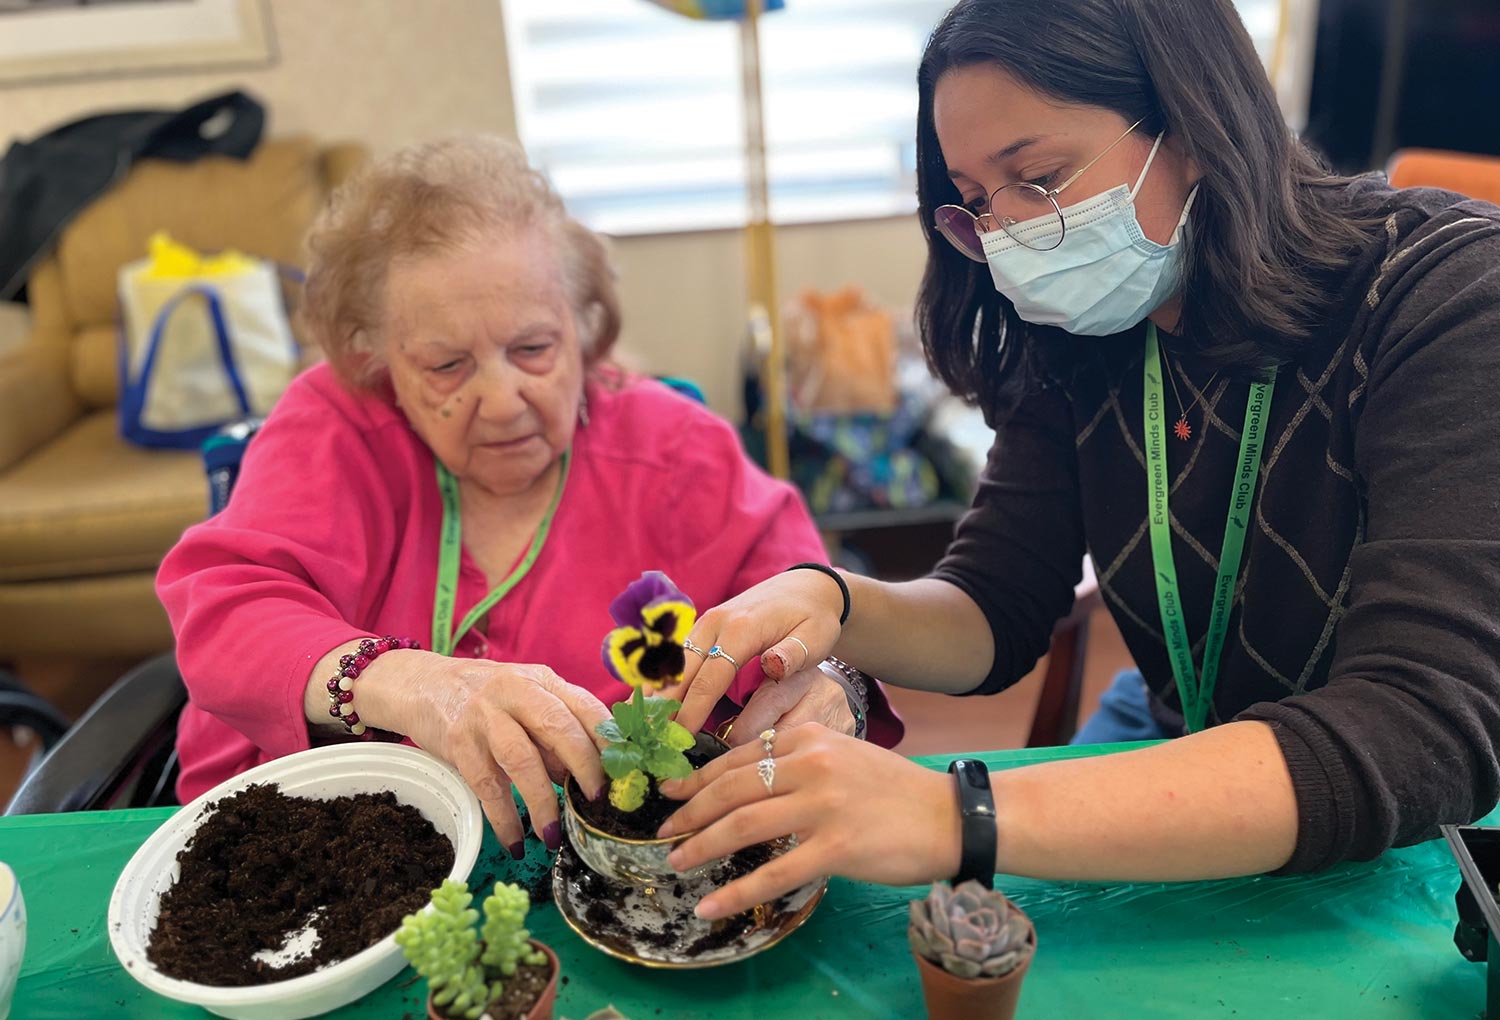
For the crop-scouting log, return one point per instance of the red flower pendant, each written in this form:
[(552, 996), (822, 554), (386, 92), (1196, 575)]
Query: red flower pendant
[(1182, 430)]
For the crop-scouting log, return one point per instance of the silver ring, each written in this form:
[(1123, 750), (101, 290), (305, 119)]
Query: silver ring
[(718, 653), (767, 769), (687, 645), (806, 655), (768, 740)]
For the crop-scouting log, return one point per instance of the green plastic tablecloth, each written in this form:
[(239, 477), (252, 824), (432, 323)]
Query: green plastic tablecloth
[(1369, 940)]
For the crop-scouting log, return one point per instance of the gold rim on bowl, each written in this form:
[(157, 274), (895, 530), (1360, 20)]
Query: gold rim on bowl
[(628, 841)]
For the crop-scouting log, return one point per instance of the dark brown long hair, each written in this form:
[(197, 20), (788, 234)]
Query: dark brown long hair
[(1265, 229)]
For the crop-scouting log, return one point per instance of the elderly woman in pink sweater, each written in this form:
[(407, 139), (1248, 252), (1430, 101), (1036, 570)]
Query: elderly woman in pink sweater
[(467, 476)]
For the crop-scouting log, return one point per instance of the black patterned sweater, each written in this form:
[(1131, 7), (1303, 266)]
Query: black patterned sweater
[(1365, 627)]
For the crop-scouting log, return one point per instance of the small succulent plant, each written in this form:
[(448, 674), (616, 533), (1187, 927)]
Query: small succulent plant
[(506, 940), (443, 945), (970, 931)]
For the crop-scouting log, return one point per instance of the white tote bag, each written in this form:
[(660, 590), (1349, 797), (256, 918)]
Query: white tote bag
[(203, 342)]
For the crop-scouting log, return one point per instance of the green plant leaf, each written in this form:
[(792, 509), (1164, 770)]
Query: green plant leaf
[(667, 763), (619, 760), (659, 711), (679, 737), (629, 718), (610, 730)]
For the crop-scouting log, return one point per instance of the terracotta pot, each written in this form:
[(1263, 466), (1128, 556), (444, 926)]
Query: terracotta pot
[(955, 998), (545, 1004), (637, 862)]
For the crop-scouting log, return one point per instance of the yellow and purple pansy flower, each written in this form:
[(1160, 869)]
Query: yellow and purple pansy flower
[(653, 619)]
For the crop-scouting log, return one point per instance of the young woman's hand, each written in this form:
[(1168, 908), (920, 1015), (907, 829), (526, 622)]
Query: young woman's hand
[(790, 620), (857, 810)]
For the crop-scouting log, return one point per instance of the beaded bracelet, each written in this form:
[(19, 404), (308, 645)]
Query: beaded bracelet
[(341, 685), (856, 688)]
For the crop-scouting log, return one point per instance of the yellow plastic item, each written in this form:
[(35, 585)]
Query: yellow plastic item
[(171, 260)]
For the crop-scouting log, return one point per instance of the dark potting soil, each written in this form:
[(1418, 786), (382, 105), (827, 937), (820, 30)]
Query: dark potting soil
[(522, 989), (265, 864), (643, 822), (729, 929)]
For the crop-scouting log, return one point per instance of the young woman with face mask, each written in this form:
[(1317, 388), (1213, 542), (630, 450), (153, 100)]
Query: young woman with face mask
[(1258, 395)]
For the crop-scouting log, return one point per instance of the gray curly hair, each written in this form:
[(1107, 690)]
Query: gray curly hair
[(429, 199)]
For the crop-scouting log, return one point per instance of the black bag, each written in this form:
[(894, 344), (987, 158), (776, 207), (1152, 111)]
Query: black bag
[(48, 181)]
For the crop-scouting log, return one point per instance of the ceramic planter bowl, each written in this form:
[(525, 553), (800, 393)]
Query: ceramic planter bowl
[(637, 862), (12, 936)]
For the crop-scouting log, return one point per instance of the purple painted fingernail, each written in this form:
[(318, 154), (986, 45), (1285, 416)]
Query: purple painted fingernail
[(517, 850), (552, 835), (599, 792)]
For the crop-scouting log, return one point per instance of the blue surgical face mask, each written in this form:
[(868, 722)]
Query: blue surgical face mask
[(1106, 275)]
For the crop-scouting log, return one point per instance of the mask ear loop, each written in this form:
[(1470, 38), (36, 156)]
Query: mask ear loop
[(1147, 168)]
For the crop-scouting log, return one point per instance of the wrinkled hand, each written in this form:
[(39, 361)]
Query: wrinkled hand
[(857, 810), (498, 723), (807, 696), (790, 620)]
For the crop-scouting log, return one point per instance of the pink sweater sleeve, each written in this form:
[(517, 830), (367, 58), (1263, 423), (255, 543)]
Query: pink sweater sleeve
[(259, 593)]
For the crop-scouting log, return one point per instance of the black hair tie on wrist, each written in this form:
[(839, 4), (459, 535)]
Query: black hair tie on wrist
[(823, 568)]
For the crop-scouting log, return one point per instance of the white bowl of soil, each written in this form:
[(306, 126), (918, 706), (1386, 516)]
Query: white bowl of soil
[(415, 778)]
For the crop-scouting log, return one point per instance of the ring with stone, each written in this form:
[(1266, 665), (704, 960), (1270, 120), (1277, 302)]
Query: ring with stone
[(717, 652), (766, 767), (768, 740)]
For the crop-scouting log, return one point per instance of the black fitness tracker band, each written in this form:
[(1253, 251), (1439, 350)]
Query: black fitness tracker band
[(976, 807)]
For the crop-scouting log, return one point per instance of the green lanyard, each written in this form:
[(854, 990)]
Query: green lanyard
[(444, 637), (1197, 695)]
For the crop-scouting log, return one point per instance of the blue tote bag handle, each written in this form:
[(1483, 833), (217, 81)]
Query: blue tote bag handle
[(133, 391)]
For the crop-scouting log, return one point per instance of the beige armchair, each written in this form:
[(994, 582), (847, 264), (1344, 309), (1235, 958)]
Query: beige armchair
[(85, 517)]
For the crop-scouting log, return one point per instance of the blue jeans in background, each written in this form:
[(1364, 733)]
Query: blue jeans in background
[(1123, 714)]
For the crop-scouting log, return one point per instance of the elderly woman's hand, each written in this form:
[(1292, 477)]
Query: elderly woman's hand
[(498, 723), (807, 696)]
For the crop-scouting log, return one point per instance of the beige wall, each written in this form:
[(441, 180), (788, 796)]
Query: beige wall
[(384, 72), (391, 72), (684, 294)]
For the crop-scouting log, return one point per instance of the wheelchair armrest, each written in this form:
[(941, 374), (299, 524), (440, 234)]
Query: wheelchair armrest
[(135, 718)]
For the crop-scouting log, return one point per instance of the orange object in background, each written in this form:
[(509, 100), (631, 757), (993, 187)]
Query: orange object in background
[(1463, 172), (841, 354)]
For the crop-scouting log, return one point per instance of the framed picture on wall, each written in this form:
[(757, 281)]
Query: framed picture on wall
[(60, 40)]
